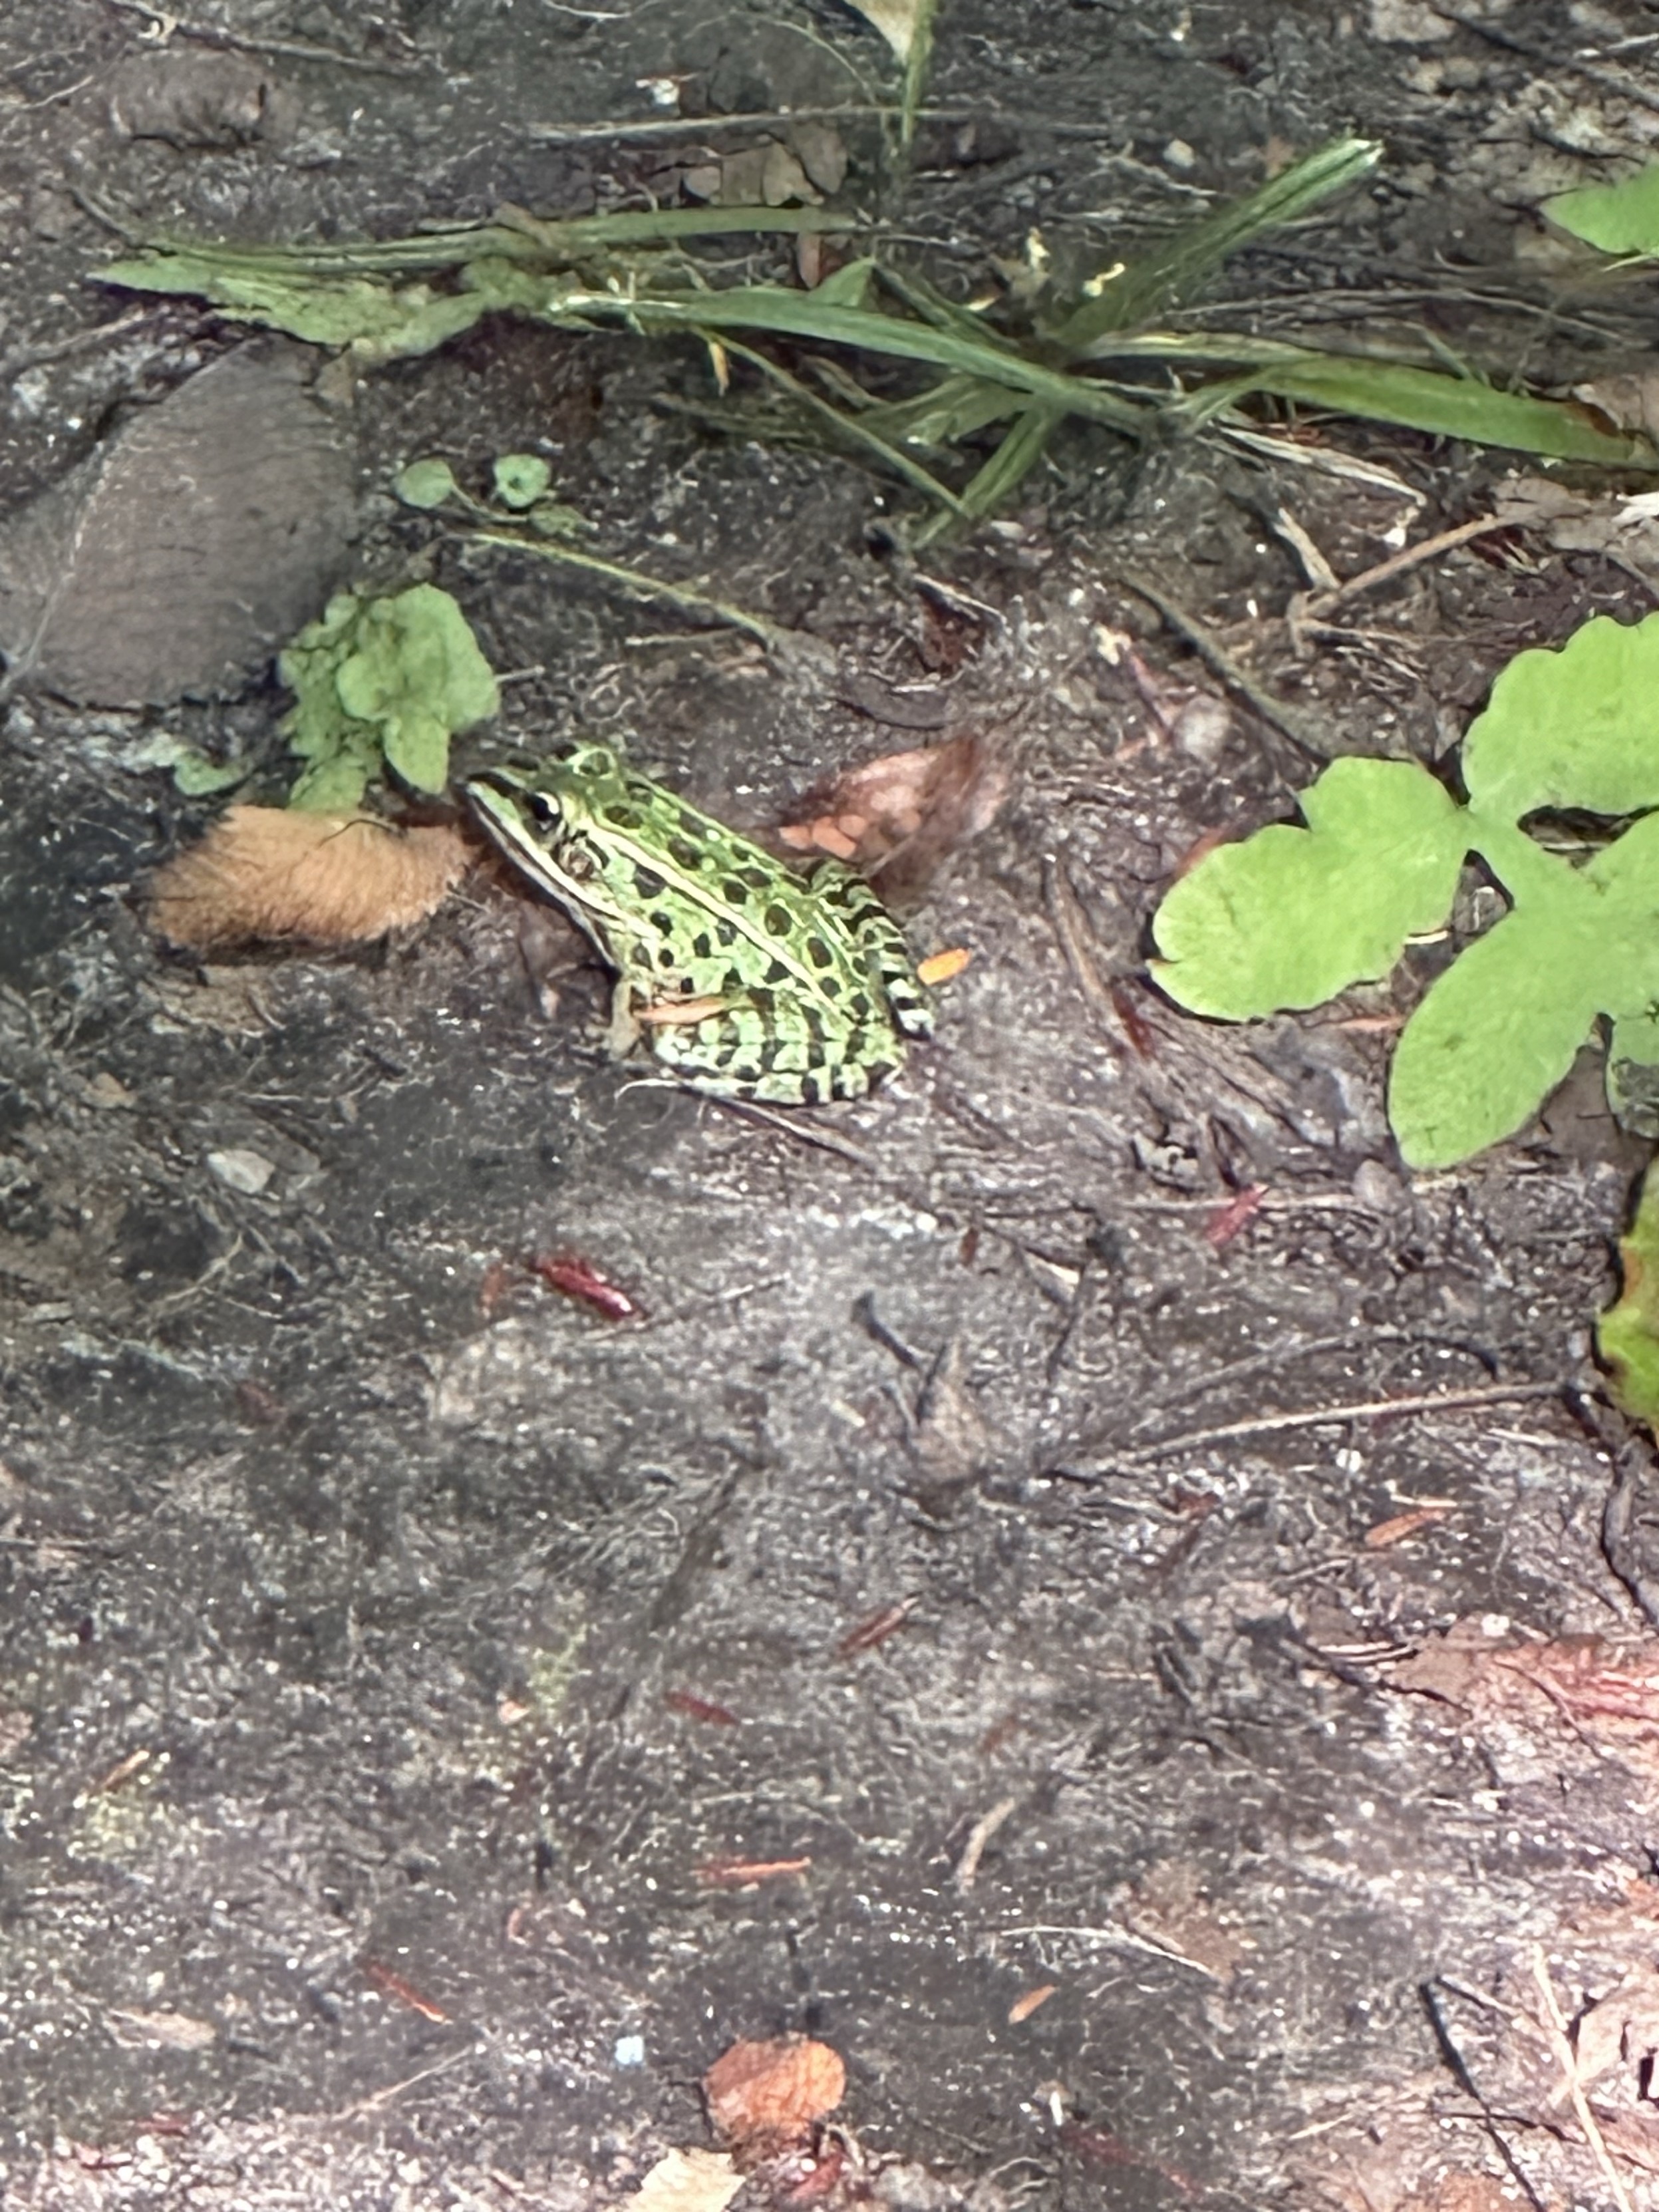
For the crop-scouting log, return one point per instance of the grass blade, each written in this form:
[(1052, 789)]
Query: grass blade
[(1012, 462), (1427, 399), (799, 315), (847, 429), (1162, 279)]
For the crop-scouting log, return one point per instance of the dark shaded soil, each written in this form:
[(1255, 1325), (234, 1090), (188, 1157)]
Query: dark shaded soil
[(374, 1633)]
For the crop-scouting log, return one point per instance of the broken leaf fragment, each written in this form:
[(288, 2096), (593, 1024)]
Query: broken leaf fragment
[(768, 2091), (1627, 1336), (1621, 218), (267, 872)]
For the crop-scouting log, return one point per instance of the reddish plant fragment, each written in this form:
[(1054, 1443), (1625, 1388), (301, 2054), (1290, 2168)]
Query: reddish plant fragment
[(700, 1708), (1395, 1530), (1138, 1030), (1023, 2008), (1099, 2147), (773, 2092), (876, 1629), (741, 1874), (123, 1769), (578, 1279), (255, 1403), (1224, 1224), (396, 1986)]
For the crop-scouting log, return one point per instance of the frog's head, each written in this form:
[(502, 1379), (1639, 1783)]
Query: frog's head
[(547, 818)]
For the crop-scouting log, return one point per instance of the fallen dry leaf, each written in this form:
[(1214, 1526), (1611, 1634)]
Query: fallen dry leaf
[(334, 878), (771, 2090), (904, 811), (688, 2181)]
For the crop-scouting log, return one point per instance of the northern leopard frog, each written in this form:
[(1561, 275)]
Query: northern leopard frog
[(748, 980)]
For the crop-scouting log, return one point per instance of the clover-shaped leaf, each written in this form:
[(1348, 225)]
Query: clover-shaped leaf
[(382, 682), (1497, 1032), (1291, 917), (1574, 728)]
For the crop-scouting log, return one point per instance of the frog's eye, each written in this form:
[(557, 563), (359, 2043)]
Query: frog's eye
[(542, 810)]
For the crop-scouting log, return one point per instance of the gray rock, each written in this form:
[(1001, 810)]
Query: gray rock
[(196, 540)]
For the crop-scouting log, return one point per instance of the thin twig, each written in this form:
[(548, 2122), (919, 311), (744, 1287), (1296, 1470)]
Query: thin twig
[(26, 357), (978, 1835), (1557, 2029), (164, 25), (1120, 1935), (798, 644), (1317, 1417), (396, 2088), (1426, 549), (681, 126), (1069, 926), (1284, 719), (1313, 1347)]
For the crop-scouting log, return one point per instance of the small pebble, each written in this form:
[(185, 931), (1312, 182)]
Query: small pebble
[(248, 1172)]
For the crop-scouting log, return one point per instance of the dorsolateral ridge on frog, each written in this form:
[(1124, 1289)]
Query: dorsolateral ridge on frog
[(748, 980)]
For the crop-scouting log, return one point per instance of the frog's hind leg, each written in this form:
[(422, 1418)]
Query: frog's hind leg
[(881, 940)]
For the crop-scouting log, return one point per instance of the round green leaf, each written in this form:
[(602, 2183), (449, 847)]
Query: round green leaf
[(1291, 917), (424, 484), (1494, 1035), (1574, 728), (521, 479)]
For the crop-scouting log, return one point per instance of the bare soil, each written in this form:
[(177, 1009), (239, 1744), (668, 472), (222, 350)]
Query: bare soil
[(400, 1665)]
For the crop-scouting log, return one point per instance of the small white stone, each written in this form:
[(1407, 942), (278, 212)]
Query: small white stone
[(1203, 727), (630, 2051), (1178, 155), (248, 1172)]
